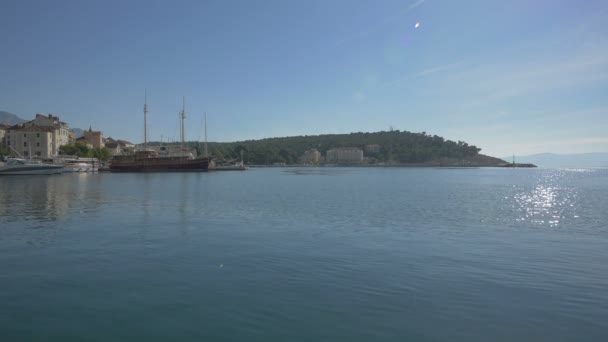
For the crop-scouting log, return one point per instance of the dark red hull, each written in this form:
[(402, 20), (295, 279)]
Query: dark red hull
[(161, 164)]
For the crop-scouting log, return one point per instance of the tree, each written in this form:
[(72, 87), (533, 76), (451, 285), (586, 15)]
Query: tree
[(103, 154), (82, 150), (395, 145), (4, 151)]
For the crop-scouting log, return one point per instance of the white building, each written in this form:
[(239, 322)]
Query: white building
[(118, 146), (348, 155), (372, 148), (311, 157)]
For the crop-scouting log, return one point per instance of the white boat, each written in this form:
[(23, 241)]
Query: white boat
[(77, 164), (79, 167), (19, 166), (76, 167)]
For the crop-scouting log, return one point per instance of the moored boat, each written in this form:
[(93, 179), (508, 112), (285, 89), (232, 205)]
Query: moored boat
[(240, 166), (149, 160), (78, 167), (19, 166), (152, 161), (78, 164)]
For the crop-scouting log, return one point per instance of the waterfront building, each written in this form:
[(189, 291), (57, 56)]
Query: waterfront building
[(372, 148), (60, 129), (93, 138), (311, 157), (118, 146), (41, 124), (3, 130), (31, 141), (71, 137), (346, 155)]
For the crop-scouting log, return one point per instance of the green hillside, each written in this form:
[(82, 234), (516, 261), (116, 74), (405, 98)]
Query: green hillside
[(395, 146)]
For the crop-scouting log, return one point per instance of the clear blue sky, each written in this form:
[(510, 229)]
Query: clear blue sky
[(508, 76)]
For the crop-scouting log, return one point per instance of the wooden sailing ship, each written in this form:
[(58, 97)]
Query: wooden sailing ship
[(149, 160)]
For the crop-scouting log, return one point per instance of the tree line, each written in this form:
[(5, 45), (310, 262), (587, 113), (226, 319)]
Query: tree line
[(394, 146), (84, 151)]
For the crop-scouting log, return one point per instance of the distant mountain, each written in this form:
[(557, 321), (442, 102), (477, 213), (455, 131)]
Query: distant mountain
[(78, 131), (552, 160), (10, 118)]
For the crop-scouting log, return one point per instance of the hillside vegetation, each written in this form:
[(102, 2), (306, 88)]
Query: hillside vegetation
[(395, 147), (82, 150)]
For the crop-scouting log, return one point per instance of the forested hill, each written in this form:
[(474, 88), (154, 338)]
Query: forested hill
[(394, 146)]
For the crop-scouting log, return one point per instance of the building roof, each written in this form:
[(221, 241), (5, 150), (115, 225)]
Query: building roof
[(90, 130), (31, 128), (111, 143), (57, 123)]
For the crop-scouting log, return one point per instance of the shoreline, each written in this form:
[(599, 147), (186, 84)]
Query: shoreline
[(421, 165)]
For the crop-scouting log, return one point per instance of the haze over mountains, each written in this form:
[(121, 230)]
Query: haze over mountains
[(10, 118), (553, 160), (78, 131)]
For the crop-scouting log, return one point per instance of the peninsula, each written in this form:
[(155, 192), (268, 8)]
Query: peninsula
[(385, 148)]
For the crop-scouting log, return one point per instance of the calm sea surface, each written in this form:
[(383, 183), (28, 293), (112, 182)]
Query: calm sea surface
[(325, 254)]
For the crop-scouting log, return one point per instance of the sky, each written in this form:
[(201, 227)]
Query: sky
[(511, 77)]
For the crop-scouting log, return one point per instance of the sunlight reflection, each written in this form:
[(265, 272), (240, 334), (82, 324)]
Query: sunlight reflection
[(547, 204)]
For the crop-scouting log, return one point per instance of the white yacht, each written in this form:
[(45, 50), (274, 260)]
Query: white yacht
[(79, 167), (76, 167), (19, 166)]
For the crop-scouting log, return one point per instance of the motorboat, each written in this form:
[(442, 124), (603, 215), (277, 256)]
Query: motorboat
[(79, 167), (75, 167), (20, 166)]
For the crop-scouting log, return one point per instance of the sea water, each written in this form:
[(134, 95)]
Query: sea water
[(306, 254)]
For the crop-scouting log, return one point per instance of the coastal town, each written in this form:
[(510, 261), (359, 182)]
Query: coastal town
[(48, 139), (46, 144), (45, 135)]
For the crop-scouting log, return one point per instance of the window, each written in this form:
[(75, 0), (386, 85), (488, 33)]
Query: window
[(24, 135), (25, 144), (37, 135), (38, 144), (39, 153)]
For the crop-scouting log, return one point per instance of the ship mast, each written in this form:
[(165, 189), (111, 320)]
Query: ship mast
[(183, 117), (206, 150), (146, 119)]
